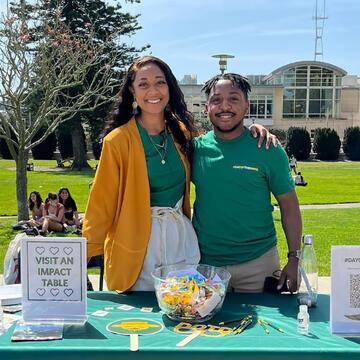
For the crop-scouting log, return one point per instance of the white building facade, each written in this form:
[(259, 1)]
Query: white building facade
[(309, 94)]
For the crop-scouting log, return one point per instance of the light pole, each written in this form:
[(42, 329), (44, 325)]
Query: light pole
[(223, 61)]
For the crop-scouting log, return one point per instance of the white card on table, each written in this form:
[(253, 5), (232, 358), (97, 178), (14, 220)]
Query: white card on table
[(53, 276), (100, 313)]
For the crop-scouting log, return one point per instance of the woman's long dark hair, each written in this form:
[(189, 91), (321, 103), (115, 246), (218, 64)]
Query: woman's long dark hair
[(51, 196), (38, 200), (122, 110), (69, 202)]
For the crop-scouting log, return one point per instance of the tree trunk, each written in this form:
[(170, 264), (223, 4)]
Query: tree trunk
[(78, 143), (21, 185)]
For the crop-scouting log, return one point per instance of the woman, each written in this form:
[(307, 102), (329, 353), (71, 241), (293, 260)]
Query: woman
[(36, 207), (138, 213), (293, 164), (53, 214), (72, 220)]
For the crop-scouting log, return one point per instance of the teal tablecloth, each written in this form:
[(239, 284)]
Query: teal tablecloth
[(92, 341)]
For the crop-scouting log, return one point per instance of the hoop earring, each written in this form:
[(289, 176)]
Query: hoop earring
[(135, 108), (168, 107)]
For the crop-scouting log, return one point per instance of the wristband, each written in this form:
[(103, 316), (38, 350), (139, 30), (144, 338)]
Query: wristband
[(295, 254)]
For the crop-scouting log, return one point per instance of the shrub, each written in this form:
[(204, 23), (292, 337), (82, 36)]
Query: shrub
[(45, 150), (298, 143), (326, 144), (280, 134), (351, 143)]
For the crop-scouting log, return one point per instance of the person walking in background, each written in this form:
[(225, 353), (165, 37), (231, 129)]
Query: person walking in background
[(293, 164)]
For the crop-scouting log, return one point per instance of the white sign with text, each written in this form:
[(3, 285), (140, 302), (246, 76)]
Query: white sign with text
[(53, 276), (345, 290)]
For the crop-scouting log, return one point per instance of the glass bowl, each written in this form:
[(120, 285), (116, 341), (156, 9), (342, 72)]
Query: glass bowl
[(192, 293)]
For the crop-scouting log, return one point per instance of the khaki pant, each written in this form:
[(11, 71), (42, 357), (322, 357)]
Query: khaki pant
[(249, 276)]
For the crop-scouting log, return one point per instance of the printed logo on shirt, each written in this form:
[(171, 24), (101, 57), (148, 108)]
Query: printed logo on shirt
[(244, 167)]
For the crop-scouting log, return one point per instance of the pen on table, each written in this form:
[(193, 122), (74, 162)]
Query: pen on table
[(274, 327), (230, 321), (243, 326), (263, 326), (237, 327)]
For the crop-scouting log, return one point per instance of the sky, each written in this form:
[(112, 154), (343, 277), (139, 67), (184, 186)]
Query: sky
[(263, 35)]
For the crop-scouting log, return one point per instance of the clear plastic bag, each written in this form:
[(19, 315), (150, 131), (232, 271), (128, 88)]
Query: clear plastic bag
[(11, 261)]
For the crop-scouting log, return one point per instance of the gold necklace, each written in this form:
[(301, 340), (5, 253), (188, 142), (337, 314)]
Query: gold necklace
[(162, 146), (158, 147)]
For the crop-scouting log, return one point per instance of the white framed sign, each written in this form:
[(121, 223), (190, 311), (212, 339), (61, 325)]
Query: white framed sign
[(53, 276), (345, 290)]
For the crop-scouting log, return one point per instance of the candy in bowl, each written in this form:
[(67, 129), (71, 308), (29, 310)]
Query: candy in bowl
[(192, 293)]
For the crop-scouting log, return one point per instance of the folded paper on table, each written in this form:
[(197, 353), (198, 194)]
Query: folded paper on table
[(10, 294)]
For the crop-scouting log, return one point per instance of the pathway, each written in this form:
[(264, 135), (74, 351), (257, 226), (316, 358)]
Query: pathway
[(303, 207)]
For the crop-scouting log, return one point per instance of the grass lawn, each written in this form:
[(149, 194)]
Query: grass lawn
[(329, 227), (44, 182), (7, 234), (329, 182)]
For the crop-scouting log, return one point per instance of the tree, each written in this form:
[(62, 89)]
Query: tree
[(298, 143), (203, 124), (98, 18), (351, 142), (326, 144), (59, 61)]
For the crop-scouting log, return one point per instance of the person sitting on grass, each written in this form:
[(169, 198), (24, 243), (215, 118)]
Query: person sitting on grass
[(299, 180), (72, 219), (36, 207), (53, 214)]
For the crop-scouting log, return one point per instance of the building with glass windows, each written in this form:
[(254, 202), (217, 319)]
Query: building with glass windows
[(308, 94)]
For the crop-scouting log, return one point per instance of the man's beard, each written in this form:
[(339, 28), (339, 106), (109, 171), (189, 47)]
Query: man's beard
[(228, 130)]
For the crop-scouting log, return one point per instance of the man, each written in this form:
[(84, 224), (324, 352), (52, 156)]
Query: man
[(234, 181)]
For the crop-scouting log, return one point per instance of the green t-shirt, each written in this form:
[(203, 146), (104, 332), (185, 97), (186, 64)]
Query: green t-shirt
[(167, 181), (232, 211)]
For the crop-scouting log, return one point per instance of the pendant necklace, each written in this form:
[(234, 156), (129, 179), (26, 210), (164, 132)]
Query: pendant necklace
[(160, 148)]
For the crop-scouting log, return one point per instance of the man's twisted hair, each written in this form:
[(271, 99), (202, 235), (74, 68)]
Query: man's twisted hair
[(237, 80)]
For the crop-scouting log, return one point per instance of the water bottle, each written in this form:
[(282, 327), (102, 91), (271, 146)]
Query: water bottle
[(303, 320), (308, 273)]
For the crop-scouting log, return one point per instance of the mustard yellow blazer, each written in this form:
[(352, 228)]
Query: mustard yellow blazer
[(117, 220)]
